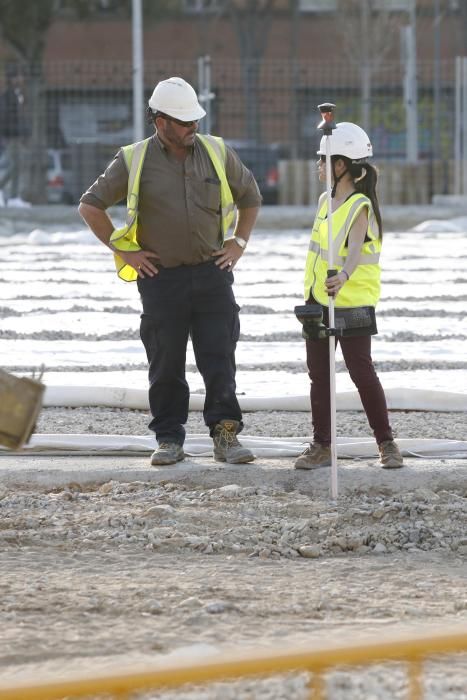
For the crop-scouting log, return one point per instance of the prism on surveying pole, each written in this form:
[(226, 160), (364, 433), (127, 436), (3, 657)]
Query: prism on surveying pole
[(326, 126)]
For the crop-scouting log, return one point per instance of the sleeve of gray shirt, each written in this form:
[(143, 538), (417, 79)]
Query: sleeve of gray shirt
[(110, 187), (245, 190)]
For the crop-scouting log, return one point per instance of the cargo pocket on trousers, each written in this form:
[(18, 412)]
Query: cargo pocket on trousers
[(235, 324)]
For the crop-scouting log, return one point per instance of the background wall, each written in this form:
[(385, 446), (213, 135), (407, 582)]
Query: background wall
[(271, 64)]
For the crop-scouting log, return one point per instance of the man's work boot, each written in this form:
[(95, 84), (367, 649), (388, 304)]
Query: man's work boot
[(167, 453), (314, 457), (226, 446), (389, 455)]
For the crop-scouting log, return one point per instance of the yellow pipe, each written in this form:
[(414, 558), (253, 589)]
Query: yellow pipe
[(237, 665)]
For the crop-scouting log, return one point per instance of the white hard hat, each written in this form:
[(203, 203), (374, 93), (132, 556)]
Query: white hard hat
[(348, 140), (176, 98)]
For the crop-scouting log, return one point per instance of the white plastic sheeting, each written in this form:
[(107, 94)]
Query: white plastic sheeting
[(267, 447), (119, 397)]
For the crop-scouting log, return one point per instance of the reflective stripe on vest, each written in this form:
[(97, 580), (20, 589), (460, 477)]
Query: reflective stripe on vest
[(215, 147), (125, 239), (363, 288)]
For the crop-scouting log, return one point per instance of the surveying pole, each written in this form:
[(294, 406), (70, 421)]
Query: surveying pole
[(326, 126)]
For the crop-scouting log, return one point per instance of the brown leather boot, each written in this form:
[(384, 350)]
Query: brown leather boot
[(314, 457), (390, 456), (167, 453), (226, 446)]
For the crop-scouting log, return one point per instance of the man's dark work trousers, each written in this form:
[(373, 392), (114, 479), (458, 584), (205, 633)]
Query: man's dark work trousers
[(178, 302), (357, 357)]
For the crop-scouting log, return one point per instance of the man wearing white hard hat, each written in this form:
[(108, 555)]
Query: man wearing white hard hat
[(178, 99), (182, 189)]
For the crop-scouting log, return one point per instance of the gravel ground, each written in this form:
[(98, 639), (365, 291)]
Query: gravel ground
[(118, 573)]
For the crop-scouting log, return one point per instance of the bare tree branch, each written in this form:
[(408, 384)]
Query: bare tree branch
[(367, 32)]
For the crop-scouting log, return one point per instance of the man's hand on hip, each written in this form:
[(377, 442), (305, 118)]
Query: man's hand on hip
[(229, 255), (140, 260)]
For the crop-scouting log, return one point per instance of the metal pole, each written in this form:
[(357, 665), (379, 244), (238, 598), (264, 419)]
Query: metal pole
[(436, 79), (460, 132), (200, 62), (208, 93), (327, 126), (464, 128), (138, 70), (365, 39), (410, 85), (205, 95), (457, 128)]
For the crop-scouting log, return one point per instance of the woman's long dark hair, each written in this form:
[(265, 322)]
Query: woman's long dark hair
[(366, 185)]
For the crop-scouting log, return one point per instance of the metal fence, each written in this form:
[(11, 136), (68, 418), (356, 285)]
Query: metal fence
[(75, 115), (318, 663)]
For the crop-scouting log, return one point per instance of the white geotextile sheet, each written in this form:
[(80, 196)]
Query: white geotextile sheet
[(201, 446), (120, 397)]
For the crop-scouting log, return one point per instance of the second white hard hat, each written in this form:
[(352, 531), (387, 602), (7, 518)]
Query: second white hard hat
[(349, 140), (176, 98)]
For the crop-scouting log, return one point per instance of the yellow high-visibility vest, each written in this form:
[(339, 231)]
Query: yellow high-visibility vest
[(363, 287), (126, 238)]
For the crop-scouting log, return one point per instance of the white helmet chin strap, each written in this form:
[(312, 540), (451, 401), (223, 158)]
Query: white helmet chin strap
[(336, 179)]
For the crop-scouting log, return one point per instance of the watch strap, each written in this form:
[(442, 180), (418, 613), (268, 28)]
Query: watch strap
[(240, 241)]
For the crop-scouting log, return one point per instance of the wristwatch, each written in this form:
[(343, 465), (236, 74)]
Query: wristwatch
[(240, 241)]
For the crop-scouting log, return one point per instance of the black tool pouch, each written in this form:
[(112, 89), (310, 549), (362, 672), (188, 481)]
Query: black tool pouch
[(356, 321), (359, 320)]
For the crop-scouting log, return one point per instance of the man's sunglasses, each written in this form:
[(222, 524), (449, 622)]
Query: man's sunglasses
[(176, 121)]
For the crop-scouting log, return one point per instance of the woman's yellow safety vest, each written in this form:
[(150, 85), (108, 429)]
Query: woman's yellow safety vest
[(126, 238), (363, 287)]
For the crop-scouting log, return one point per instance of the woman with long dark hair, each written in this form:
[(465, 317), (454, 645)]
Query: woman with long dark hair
[(357, 234)]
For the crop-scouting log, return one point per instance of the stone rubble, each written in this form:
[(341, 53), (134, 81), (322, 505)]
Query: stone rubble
[(137, 571)]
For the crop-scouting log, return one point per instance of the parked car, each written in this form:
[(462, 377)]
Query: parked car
[(59, 176), (263, 161)]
